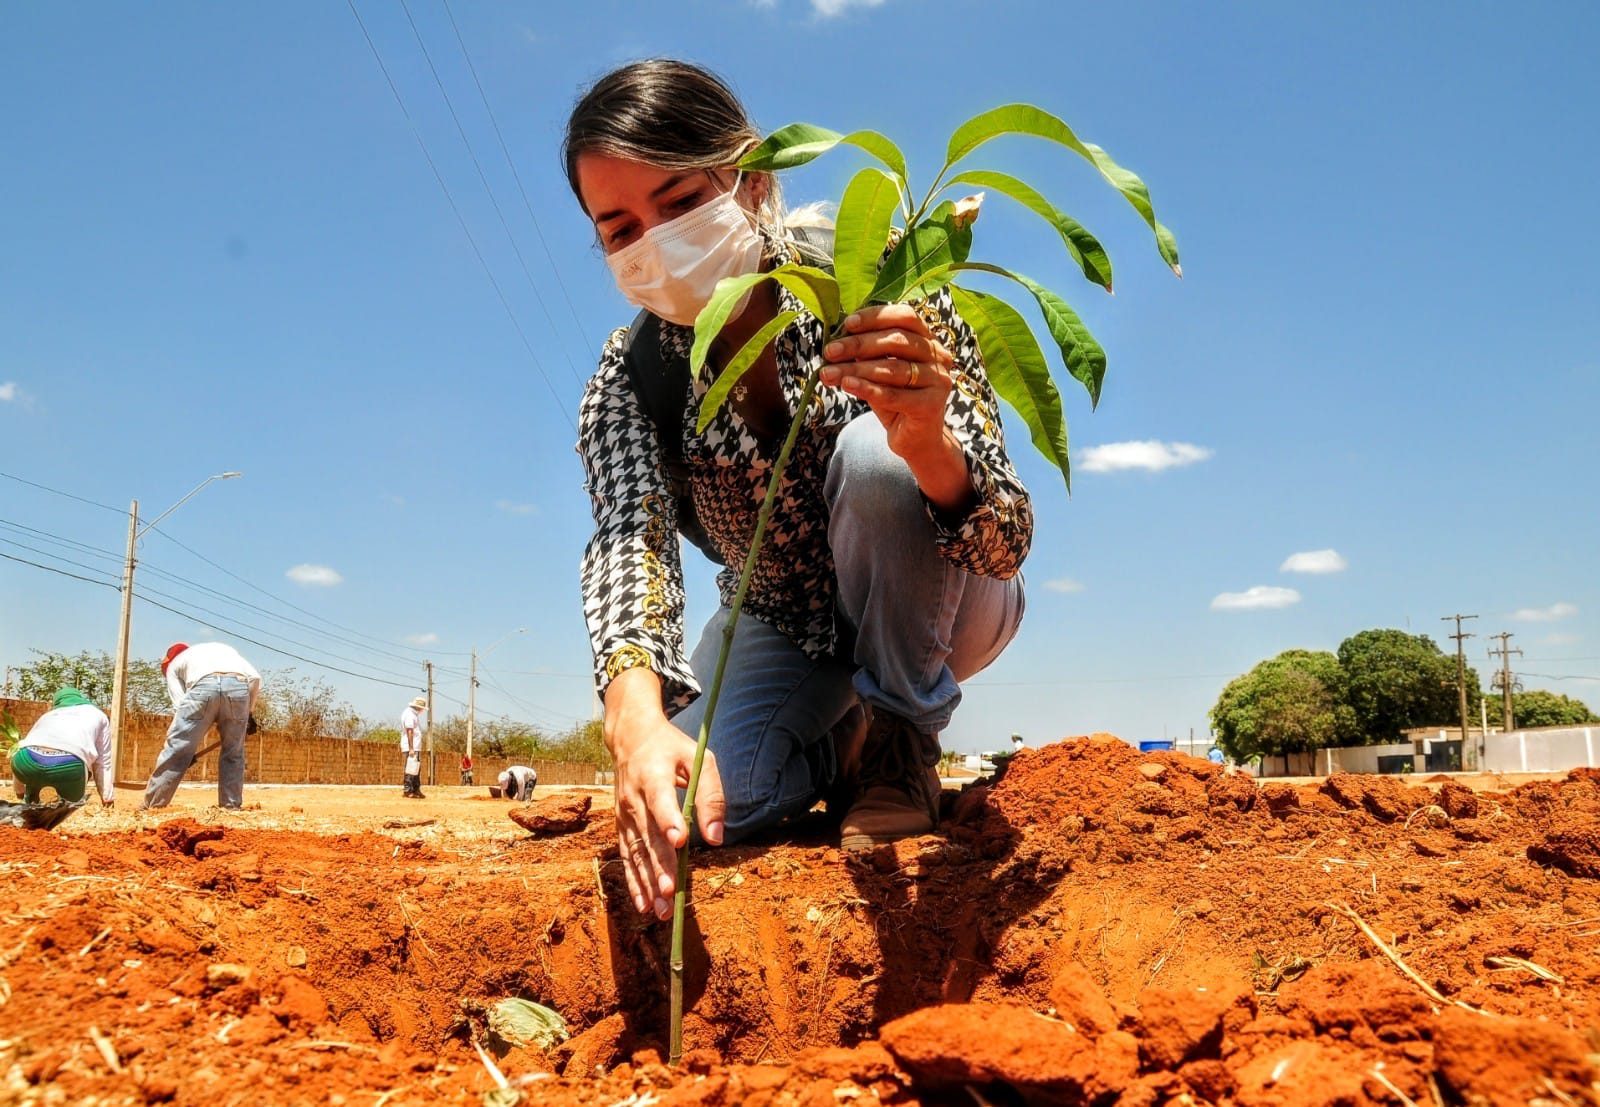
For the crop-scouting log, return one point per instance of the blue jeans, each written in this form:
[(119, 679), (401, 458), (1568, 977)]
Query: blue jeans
[(921, 626), (216, 699)]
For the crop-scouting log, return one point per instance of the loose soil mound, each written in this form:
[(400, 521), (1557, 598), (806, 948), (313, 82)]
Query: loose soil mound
[(1102, 926)]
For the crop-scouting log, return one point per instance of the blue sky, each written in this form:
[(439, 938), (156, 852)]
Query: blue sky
[(224, 250)]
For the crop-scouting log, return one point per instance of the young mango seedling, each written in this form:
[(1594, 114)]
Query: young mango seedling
[(876, 262)]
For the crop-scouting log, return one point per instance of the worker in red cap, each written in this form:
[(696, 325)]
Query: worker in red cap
[(210, 684)]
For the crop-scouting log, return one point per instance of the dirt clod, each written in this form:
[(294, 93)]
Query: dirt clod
[(561, 813)]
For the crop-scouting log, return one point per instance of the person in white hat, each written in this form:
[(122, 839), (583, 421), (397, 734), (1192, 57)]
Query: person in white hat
[(411, 747)]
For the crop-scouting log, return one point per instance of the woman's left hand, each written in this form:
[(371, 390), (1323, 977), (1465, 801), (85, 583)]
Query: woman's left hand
[(887, 358)]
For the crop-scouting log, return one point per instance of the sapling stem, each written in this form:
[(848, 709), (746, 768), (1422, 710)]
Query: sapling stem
[(680, 898)]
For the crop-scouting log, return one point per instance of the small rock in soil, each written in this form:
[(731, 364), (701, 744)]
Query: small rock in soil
[(1079, 1001), (558, 814), (1508, 1060), (1575, 852), (224, 975)]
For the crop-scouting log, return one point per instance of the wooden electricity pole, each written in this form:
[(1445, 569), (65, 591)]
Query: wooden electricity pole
[(119, 667), (432, 768), (1461, 669), (1506, 684)]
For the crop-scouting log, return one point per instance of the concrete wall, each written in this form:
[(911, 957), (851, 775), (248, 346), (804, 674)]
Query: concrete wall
[(1544, 750), (1359, 759), (281, 759)]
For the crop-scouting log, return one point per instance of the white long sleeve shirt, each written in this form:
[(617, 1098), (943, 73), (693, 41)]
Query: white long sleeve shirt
[(83, 731), (518, 782), (208, 659), (411, 730)]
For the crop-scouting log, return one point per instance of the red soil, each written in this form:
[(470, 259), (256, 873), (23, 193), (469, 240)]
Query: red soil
[(1102, 926)]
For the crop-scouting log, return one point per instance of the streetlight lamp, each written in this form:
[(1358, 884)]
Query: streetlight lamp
[(119, 676), (472, 684)]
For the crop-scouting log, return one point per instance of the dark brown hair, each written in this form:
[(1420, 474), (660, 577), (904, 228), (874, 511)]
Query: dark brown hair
[(663, 112)]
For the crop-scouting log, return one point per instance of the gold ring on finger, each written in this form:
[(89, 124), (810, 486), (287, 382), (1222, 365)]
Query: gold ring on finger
[(916, 371)]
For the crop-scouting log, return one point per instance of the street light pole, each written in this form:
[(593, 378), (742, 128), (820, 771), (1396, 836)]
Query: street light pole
[(472, 684), (119, 675)]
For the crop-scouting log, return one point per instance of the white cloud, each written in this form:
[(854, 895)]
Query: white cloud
[(512, 508), (9, 391), (319, 576), (1561, 638), (398, 501), (422, 639), (827, 9), (1063, 584), (1544, 614), (1151, 456), (1314, 561), (1263, 597)]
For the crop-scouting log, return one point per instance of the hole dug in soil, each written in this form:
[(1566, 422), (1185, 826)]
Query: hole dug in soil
[(1103, 926)]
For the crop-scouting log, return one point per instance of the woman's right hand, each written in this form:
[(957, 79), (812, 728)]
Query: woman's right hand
[(653, 760)]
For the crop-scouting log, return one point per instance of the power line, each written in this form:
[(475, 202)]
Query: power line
[(56, 556), (145, 595), (526, 204), (186, 582), (273, 649), (58, 492), (287, 603), (437, 176), (60, 540), (483, 177), (143, 592), (528, 707), (58, 572)]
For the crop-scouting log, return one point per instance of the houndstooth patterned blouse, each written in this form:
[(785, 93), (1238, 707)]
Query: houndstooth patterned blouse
[(632, 576)]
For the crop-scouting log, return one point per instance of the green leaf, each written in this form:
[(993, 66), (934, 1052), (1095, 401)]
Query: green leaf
[(815, 288), (1029, 120), (1083, 355), (1017, 370), (936, 243), (1083, 246), (718, 310), (717, 394), (866, 213), (799, 143), (520, 1022)]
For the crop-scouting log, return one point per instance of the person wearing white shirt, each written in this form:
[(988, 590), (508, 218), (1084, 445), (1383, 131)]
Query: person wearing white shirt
[(210, 683), (69, 741), (411, 747), (517, 782)]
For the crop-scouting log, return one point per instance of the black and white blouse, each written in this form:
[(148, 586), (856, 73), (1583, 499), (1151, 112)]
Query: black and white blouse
[(632, 575)]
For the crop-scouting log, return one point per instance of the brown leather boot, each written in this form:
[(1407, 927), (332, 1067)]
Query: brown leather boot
[(898, 796), (849, 734)]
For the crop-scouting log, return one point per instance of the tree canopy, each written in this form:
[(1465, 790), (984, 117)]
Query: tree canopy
[(1394, 680), (1292, 703), (91, 674), (1541, 708)]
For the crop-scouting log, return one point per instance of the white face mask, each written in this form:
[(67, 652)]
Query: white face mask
[(673, 269)]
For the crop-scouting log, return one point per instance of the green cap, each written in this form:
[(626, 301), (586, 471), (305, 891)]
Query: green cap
[(69, 697)]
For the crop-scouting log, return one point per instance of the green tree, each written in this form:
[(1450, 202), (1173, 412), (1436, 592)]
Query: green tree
[(1394, 680), (1292, 703), (304, 707), (91, 674), (582, 742), (1541, 708)]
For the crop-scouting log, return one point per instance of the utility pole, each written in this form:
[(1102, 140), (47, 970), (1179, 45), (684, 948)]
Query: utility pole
[(1506, 683), (432, 769), (1461, 669), (472, 699), (119, 671)]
